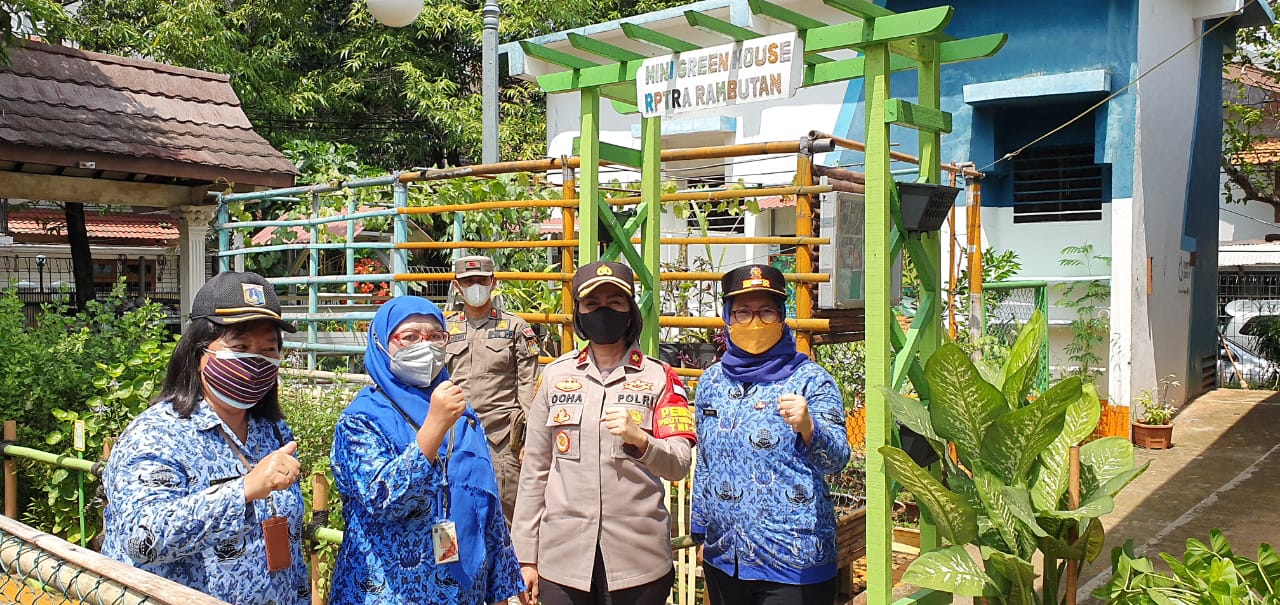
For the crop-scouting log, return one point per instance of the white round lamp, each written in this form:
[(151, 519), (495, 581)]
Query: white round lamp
[(395, 13)]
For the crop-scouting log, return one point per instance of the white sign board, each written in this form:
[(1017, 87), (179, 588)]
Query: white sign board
[(763, 69)]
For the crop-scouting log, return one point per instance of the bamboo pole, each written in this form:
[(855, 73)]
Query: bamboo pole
[(319, 516), (495, 205), (896, 155), (973, 233), (804, 252), (725, 194), (798, 240), (10, 472), (569, 245)]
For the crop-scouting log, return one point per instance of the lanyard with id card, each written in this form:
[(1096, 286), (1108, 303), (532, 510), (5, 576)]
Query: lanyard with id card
[(275, 530), (444, 533)]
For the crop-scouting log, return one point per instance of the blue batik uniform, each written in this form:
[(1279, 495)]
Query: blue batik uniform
[(759, 497), (175, 507), (391, 495)]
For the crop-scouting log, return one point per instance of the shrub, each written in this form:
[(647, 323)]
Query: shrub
[(1206, 573)]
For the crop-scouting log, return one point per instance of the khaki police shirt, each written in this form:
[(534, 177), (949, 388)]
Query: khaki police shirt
[(496, 364), (578, 482)]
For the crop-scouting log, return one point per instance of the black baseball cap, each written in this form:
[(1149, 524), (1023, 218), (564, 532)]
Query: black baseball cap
[(232, 297), (753, 278), (589, 276)]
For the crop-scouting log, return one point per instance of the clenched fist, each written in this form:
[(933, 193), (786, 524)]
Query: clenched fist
[(618, 422), (447, 405), (794, 410), (277, 472)]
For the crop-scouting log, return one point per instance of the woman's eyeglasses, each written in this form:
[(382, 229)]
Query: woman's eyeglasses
[(768, 315), (408, 338)]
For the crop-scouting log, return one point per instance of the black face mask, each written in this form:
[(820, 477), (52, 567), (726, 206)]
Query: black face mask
[(604, 325)]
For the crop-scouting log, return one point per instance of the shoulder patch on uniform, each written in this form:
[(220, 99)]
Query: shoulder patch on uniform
[(453, 315), (528, 332)]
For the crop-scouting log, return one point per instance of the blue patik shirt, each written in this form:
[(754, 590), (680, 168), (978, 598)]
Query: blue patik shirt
[(759, 497), (175, 507)]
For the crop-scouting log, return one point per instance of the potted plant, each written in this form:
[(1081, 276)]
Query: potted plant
[(1153, 426)]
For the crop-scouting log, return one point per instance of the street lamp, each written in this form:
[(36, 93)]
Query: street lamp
[(40, 261), (395, 13)]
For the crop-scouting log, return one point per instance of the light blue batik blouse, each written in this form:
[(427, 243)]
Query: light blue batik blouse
[(175, 507), (759, 497)]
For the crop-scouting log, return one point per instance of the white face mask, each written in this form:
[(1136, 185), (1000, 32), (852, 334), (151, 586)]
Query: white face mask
[(419, 364), (476, 295)]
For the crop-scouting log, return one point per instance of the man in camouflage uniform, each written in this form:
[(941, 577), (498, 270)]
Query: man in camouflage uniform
[(493, 356)]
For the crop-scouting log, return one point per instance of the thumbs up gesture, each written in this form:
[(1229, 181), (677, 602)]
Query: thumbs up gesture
[(278, 471)]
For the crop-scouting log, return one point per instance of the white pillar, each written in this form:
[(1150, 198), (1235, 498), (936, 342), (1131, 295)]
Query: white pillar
[(193, 230)]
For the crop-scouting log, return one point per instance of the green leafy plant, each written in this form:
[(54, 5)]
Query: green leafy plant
[(1207, 574), (1091, 300), (1158, 410), (1005, 492)]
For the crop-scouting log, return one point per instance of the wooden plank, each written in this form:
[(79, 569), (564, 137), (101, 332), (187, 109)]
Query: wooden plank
[(602, 49), (720, 26), (900, 26), (906, 113), (557, 57), (859, 8), (785, 15), (659, 39), (95, 191)]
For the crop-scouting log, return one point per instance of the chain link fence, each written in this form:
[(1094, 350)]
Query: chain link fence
[(1008, 306), (41, 569)]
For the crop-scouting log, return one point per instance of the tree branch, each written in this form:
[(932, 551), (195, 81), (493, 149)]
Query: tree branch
[(1251, 192)]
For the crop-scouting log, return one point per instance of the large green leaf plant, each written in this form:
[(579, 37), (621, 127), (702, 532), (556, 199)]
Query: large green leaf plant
[(1208, 574), (1003, 497)]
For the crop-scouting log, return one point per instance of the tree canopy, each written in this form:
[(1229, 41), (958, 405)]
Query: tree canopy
[(324, 70), (1251, 110)]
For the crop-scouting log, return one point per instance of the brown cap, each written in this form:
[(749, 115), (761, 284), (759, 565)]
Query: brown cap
[(753, 278), (590, 276), (232, 297), (467, 266)]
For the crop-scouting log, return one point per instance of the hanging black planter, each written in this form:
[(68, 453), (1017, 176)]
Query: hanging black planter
[(925, 205), (622, 216)]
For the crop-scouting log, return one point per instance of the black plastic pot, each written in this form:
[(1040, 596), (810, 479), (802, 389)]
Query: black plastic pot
[(925, 206)]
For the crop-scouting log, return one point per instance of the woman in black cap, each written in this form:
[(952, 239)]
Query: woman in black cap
[(202, 486), (770, 425), (591, 524)]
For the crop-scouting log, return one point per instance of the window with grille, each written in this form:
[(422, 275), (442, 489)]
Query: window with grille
[(1058, 184)]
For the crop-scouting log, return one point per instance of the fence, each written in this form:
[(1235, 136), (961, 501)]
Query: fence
[(1244, 298), (42, 569), (1008, 306)]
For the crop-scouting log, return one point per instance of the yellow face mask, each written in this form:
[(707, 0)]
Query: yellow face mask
[(756, 337)]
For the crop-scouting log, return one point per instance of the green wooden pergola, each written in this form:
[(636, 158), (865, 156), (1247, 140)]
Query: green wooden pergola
[(887, 42)]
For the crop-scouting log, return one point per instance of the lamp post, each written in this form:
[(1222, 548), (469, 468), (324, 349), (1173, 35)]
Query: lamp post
[(40, 261), (395, 13)]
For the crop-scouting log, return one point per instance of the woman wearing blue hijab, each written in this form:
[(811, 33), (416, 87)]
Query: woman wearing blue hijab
[(424, 523), (770, 424)]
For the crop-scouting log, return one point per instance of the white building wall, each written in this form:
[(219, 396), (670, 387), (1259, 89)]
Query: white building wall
[(1150, 313)]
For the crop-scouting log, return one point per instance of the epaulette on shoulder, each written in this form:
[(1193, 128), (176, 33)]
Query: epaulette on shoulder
[(453, 315)]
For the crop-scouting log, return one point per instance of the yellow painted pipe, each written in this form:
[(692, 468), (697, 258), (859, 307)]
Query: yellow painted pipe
[(669, 321), (635, 240), (557, 276), (725, 194), (495, 205)]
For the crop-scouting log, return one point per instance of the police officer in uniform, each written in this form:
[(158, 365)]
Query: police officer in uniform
[(493, 356), (591, 526)]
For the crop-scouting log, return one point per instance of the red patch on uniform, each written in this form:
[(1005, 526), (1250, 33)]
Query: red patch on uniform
[(529, 333), (582, 356), (562, 441), (568, 384), (635, 358)]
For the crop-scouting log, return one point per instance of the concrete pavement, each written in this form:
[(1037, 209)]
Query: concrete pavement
[(1221, 473)]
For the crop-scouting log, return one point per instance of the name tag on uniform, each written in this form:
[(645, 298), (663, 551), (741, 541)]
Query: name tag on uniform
[(457, 337), (711, 412), (508, 334)]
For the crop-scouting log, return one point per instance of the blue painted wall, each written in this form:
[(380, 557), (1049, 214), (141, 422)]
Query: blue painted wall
[(1201, 223), (1045, 38)]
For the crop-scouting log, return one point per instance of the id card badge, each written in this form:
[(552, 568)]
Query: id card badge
[(444, 538), (275, 535)]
